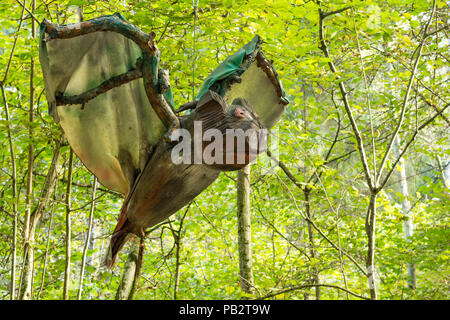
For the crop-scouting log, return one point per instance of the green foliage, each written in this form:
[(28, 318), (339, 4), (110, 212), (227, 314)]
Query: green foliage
[(315, 138)]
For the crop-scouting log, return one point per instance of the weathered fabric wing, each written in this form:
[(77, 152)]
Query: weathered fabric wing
[(113, 133), (259, 83)]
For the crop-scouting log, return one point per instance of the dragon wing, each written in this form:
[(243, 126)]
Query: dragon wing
[(113, 133), (248, 74)]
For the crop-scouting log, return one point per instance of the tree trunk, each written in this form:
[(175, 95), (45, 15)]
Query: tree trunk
[(28, 252), (88, 238), (312, 247), (244, 230), (177, 238), (444, 171), (178, 244), (137, 273), (406, 208), (13, 164), (68, 228), (47, 246), (29, 186), (306, 191), (92, 259), (370, 230), (125, 287), (14, 196)]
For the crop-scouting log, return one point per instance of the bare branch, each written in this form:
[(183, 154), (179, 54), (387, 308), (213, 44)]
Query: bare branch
[(435, 107), (271, 295), (114, 23), (2, 82), (301, 186), (347, 107), (326, 14), (406, 98), (29, 12), (411, 140), (105, 86), (366, 85)]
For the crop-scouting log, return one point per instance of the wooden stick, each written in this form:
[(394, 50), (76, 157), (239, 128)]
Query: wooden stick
[(114, 23), (105, 86)]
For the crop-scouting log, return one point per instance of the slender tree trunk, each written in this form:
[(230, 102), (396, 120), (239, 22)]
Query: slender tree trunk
[(68, 228), (47, 247), (28, 252), (13, 163), (312, 247), (137, 273), (88, 237), (177, 235), (406, 208), (341, 261), (244, 230), (92, 259), (178, 244), (29, 187), (370, 230), (306, 191), (125, 286), (444, 171), (14, 196)]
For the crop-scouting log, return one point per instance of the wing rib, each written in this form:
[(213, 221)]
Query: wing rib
[(105, 86)]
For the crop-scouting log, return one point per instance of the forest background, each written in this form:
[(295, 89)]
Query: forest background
[(352, 201)]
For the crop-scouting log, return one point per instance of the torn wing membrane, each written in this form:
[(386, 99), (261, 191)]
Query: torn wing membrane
[(260, 92), (113, 133), (259, 83)]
